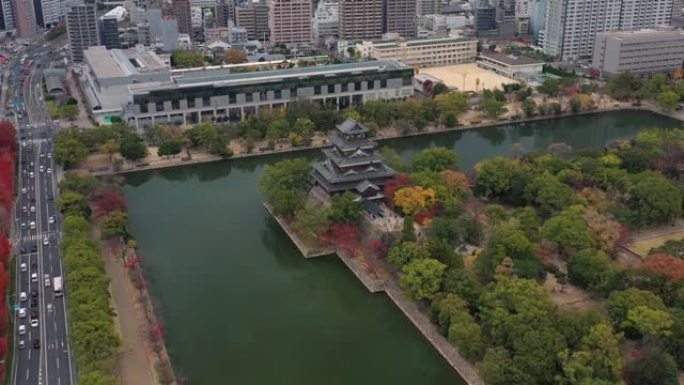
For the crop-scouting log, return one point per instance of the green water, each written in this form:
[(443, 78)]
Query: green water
[(242, 306)]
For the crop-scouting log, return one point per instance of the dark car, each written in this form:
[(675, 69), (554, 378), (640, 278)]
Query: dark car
[(34, 248), (34, 264), (36, 344), (34, 313), (34, 303), (34, 293), (50, 197)]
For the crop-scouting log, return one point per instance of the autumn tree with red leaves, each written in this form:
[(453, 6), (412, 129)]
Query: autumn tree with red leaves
[(666, 266), (394, 184), (107, 201), (8, 136), (345, 237)]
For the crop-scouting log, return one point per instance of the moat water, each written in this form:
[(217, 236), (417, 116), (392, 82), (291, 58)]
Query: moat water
[(241, 306)]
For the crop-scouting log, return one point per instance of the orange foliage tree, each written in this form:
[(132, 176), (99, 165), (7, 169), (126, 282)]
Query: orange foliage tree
[(414, 199), (666, 266)]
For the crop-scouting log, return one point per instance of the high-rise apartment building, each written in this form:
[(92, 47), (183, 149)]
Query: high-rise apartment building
[(81, 29), (7, 15), (108, 27), (429, 7), (225, 13), (361, 19), (571, 25), (401, 17), (24, 19), (290, 21), (253, 16), (182, 14)]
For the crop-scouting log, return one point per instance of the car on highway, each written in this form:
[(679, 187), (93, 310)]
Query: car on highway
[(31, 174), (49, 170), (23, 190), (22, 330), (23, 225), (23, 267), (22, 312), (23, 296), (49, 155), (34, 323), (22, 344), (41, 168), (46, 241), (33, 209), (34, 293), (24, 209), (34, 303), (32, 225), (34, 277), (47, 281), (36, 344), (51, 220)]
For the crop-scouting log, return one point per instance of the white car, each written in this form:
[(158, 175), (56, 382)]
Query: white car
[(51, 220), (22, 330), (41, 168), (23, 225), (22, 344), (34, 323), (33, 209), (49, 155), (23, 267), (49, 170), (31, 174), (22, 312), (23, 190), (32, 225), (24, 209), (22, 296), (34, 277), (46, 241)]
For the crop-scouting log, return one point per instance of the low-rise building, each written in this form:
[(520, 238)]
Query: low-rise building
[(136, 85), (643, 52), (423, 52), (510, 65)]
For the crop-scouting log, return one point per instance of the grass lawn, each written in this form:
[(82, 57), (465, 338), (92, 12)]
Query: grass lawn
[(642, 247)]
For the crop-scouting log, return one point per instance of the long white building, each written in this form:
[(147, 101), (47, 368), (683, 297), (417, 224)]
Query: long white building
[(423, 52), (571, 25)]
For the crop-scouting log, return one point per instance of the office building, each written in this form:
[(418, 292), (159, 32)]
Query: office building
[(400, 17), (81, 29), (225, 13), (182, 14), (644, 53), (136, 85), (429, 7), (253, 16), (289, 21), (361, 19), (7, 18), (571, 26), (423, 52), (326, 22), (108, 27), (510, 65), (24, 19), (537, 15), (485, 24)]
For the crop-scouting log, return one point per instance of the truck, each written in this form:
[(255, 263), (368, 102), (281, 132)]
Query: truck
[(57, 286)]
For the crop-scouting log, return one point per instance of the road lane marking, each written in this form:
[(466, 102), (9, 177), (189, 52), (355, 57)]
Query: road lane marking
[(27, 374), (57, 362)]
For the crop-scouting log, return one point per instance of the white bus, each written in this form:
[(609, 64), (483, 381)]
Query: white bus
[(57, 286)]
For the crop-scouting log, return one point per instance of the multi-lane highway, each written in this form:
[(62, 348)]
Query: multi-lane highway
[(42, 354)]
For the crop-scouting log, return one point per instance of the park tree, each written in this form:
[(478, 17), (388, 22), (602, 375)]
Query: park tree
[(457, 182), (452, 102), (108, 200), (494, 176), (648, 322), (549, 87), (653, 199), (170, 148), (620, 302), (186, 59), (445, 307), (588, 267), (493, 108), (311, 222), (234, 56), (653, 86), (97, 377), (278, 130), (550, 194), (537, 353), (529, 106), (73, 203), (466, 334), (668, 100), (156, 134), (68, 148), (110, 147), (462, 283), (568, 231), (284, 184), (436, 159), (406, 252), (132, 147), (651, 366), (623, 86), (511, 307), (597, 358), (497, 368), (345, 208), (422, 278), (414, 199), (115, 225)]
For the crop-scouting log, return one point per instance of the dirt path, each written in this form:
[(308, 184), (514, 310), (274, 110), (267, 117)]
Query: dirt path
[(135, 367)]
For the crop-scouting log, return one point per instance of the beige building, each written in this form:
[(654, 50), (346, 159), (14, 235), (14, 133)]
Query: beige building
[(289, 21), (423, 52), (24, 20), (360, 19), (643, 52), (510, 66)]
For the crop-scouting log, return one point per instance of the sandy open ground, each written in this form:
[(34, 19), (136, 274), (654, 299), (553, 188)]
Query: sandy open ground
[(454, 76)]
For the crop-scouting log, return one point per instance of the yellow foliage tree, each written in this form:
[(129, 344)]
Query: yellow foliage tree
[(413, 199), (678, 74), (457, 182)]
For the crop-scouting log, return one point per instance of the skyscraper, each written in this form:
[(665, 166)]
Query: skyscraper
[(253, 17), (429, 7), (225, 13), (108, 26), (24, 19), (81, 29), (571, 25), (290, 21), (361, 19), (400, 17), (181, 11)]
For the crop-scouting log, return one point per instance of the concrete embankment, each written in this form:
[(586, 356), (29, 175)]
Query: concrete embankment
[(383, 283)]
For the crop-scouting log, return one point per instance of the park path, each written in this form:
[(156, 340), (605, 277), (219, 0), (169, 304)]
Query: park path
[(135, 364)]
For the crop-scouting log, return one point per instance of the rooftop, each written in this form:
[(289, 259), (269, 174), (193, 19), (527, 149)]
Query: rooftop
[(510, 59), (420, 42), (121, 62)]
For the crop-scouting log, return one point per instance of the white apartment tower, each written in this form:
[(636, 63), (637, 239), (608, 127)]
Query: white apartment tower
[(571, 25)]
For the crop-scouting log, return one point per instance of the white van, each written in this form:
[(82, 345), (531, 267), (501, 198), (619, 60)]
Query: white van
[(22, 296)]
